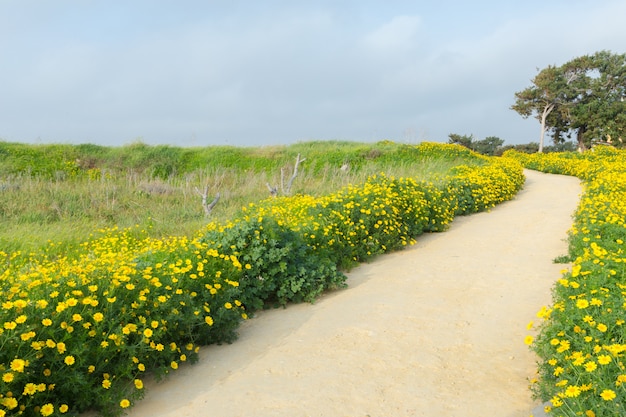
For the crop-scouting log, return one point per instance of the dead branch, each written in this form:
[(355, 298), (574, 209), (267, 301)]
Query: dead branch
[(208, 207), (273, 190), (293, 177)]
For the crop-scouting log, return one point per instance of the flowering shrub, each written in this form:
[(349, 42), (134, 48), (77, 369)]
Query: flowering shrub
[(80, 332), (280, 266), (481, 188), (582, 337), (294, 247)]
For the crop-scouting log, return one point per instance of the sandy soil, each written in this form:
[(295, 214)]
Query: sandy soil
[(434, 330)]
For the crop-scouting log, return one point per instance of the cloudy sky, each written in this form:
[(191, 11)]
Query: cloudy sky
[(248, 73)]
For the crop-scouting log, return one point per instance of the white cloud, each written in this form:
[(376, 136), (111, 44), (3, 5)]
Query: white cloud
[(278, 72)]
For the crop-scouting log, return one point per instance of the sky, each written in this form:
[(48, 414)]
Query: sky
[(255, 73)]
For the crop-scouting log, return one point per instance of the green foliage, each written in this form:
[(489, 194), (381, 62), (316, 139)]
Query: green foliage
[(463, 140), (582, 338), (84, 331), (82, 327), (488, 146), (280, 266), (155, 187), (55, 162), (584, 96)]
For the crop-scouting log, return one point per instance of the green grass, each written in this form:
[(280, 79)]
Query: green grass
[(65, 193)]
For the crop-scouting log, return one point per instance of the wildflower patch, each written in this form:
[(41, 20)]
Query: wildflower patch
[(581, 341), (80, 332)]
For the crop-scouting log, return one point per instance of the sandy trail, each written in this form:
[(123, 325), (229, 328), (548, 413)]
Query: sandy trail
[(434, 330)]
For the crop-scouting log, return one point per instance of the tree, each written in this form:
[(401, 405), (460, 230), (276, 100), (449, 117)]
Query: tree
[(487, 146), (549, 92), (585, 96), (463, 140)]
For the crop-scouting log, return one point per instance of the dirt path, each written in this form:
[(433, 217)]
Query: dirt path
[(435, 330)]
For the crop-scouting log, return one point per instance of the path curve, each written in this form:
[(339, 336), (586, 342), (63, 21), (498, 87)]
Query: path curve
[(434, 330)]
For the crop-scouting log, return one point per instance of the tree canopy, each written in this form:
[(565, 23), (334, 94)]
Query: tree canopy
[(585, 97), (488, 146)]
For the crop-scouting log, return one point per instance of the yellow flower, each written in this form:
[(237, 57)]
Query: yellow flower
[(47, 409), (138, 383), (528, 340), (106, 383), (608, 395), (124, 403), (69, 360), (582, 303), (9, 402), (572, 391), (604, 359), (27, 336), (18, 365), (228, 305), (61, 347), (154, 324), (63, 408), (595, 302), (174, 365), (98, 317), (590, 366), (147, 332), (602, 327), (209, 320), (29, 389), (563, 346), (46, 322), (8, 377)]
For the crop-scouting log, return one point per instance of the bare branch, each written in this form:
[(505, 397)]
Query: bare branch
[(273, 190), (295, 173), (208, 207), (282, 180)]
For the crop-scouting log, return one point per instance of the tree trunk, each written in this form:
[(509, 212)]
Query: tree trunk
[(544, 115), (580, 138)]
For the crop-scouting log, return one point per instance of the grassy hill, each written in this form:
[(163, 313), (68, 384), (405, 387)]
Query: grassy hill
[(63, 193)]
